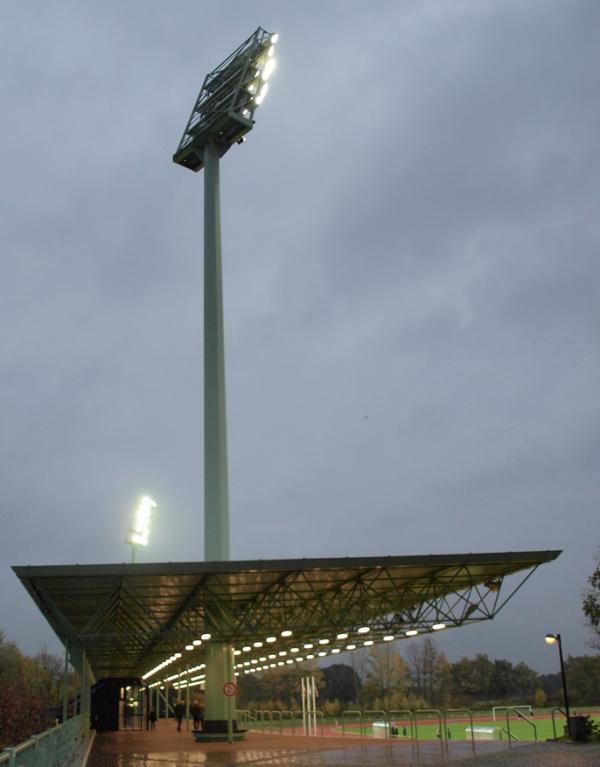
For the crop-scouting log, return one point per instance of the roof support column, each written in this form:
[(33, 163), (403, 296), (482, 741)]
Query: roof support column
[(218, 707)]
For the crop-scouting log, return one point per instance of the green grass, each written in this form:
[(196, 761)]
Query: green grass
[(519, 728)]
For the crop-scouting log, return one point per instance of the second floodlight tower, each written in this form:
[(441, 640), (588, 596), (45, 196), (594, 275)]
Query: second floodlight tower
[(222, 115)]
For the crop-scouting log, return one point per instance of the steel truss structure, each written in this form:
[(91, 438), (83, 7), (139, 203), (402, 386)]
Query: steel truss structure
[(224, 111), (129, 618)]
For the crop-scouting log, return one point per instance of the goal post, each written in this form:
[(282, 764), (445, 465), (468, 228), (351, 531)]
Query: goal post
[(526, 709)]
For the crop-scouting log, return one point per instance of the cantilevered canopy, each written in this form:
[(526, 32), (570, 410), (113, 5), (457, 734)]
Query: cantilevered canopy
[(137, 619)]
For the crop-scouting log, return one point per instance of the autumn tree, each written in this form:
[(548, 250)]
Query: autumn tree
[(591, 604), (387, 672), (23, 709), (430, 672)]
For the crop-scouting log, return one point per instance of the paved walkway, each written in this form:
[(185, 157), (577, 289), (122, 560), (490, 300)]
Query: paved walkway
[(165, 747)]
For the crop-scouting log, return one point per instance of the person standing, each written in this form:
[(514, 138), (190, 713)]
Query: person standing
[(179, 710), (197, 713)]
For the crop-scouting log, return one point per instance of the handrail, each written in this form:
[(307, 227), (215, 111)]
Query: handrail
[(320, 715), (298, 718), (438, 715), (352, 713), (560, 711), (276, 717), (61, 744), (372, 713), (290, 717), (459, 711), (404, 713), (511, 737), (395, 712), (528, 720)]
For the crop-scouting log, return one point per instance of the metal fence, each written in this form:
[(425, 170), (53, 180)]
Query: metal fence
[(411, 727), (64, 745)]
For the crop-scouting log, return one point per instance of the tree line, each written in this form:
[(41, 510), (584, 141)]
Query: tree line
[(30, 692), (384, 679)]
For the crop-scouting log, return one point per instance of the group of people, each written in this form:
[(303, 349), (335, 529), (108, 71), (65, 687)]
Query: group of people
[(196, 711)]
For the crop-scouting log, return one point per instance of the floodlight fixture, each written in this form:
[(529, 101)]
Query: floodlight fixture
[(224, 110), (139, 529)]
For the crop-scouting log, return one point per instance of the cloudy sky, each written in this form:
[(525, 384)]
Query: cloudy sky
[(412, 279)]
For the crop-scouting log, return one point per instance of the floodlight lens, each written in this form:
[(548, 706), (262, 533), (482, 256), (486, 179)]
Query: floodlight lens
[(388, 638), (411, 633), (189, 647), (342, 636), (286, 633), (205, 637), (363, 630), (197, 642), (275, 37), (270, 640), (261, 95), (438, 626), (268, 68)]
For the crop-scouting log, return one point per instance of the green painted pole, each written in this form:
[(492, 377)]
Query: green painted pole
[(187, 701), (219, 664), (216, 494)]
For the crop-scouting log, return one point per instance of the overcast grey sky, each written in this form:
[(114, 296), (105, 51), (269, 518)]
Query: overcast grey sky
[(412, 278)]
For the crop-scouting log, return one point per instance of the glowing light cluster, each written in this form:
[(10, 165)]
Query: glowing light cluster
[(265, 66), (139, 530)]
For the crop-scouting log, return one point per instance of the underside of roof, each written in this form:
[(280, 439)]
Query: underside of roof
[(130, 618)]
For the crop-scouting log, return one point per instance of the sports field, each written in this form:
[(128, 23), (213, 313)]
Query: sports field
[(539, 726)]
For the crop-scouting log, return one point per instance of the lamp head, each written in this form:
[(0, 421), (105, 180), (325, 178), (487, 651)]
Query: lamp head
[(139, 531), (552, 638)]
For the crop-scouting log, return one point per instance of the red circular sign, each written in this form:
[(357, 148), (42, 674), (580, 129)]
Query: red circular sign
[(230, 689)]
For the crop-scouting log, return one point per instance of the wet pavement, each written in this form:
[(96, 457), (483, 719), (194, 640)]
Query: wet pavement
[(165, 746)]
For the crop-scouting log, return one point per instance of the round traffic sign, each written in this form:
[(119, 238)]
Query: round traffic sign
[(230, 689)]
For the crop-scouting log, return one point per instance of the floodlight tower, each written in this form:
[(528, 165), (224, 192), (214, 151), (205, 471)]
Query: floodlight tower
[(222, 115)]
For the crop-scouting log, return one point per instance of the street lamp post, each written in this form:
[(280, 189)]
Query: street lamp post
[(554, 639), (222, 116)]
